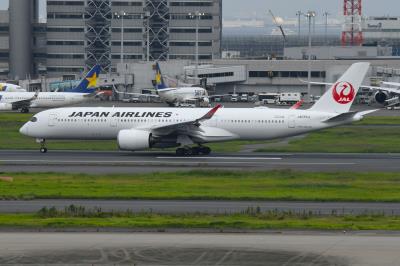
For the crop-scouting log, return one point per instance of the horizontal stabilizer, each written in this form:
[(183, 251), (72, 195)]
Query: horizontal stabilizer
[(349, 117)]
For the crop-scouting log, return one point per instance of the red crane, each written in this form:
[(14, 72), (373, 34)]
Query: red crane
[(352, 34)]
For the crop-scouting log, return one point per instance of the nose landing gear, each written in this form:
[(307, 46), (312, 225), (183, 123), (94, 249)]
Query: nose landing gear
[(187, 151), (42, 142)]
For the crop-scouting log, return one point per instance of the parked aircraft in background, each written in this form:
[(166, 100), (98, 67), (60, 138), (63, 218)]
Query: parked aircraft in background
[(25, 100), (138, 129), (175, 96), (8, 87)]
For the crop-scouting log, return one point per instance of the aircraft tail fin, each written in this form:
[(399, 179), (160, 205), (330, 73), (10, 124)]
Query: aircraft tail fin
[(160, 84), (89, 83), (341, 95)]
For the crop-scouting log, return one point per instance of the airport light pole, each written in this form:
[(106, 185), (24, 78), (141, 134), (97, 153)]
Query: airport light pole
[(146, 16), (326, 15), (197, 15), (310, 16), (121, 16), (299, 14)]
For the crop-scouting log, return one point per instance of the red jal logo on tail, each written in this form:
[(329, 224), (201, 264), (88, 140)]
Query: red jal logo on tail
[(343, 92)]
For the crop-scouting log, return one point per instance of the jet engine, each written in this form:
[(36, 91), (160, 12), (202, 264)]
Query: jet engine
[(134, 140), (6, 107), (381, 97)]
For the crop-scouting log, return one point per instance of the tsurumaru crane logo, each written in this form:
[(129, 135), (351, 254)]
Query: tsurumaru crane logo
[(343, 92)]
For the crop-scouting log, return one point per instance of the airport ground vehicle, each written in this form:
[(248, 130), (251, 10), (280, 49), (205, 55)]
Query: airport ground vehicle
[(143, 128), (288, 98), (268, 98), (234, 98)]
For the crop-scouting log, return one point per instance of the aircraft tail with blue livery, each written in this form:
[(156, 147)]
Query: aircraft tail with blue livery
[(160, 84), (89, 83)]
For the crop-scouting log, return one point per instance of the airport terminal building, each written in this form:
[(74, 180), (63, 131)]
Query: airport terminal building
[(84, 33), (81, 33)]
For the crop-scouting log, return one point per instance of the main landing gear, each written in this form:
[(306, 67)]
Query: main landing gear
[(43, 148), (24, 110), (187, 151)]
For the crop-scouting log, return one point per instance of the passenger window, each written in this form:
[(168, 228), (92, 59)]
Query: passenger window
[(33, 119)]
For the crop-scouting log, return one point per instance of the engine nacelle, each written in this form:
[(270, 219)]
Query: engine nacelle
[(381, 97), (6, 107), (134, 140)]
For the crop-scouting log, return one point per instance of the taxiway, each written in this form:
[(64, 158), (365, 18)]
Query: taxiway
[(141, 162), (280, 248)]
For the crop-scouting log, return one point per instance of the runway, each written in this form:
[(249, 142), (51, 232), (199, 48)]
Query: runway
[(284, 248), (207, 207), (142, 162)]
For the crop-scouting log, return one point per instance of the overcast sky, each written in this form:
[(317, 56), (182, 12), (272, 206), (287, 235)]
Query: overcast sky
[(288, 8)]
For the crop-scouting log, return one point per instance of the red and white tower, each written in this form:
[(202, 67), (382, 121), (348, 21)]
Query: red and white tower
[(352, 34)]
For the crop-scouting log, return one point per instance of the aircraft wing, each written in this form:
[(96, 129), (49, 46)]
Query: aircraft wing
[(316, 83), (395, 84), (24, 103), (184, 127), (391, 90), (374, 88)]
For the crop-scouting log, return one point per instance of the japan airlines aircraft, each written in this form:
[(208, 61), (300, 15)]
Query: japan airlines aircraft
[(25, 100), (382, 95), (138, 129), (8, 87)]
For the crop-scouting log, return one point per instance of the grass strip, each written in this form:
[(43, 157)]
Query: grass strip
[(206, 185), (350, 139), (204, 221)]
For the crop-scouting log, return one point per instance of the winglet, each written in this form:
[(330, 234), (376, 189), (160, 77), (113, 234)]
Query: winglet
[(297, 105), (211, 113)]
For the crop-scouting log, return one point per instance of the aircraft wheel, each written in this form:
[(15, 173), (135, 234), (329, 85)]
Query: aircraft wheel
[(195, 151), (205, 150), (43, 150), (180, 151), (24, 110), (188, 152)]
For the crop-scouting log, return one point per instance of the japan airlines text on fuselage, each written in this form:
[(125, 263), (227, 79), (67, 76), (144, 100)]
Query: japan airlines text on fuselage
[(143, 128)]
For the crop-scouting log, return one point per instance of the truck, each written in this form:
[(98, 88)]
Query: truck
[(288, 98)]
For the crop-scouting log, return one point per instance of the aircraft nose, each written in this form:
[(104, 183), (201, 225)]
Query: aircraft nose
[(24, 130)]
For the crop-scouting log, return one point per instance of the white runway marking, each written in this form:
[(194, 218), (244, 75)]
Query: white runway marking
[(133, 163), (223, 158)]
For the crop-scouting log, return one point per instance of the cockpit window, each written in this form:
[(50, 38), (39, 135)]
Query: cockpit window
[(33, 119)]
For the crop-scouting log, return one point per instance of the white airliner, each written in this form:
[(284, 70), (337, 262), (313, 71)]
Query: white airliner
[(176, 96), (138, 129), (8, 87), (25, 100)]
